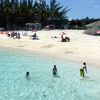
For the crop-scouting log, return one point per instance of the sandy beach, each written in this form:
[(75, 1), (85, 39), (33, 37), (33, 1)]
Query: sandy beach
[(82, 47)]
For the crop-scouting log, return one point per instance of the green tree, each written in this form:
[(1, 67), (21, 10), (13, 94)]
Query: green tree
[(18, 12), (57, 12)]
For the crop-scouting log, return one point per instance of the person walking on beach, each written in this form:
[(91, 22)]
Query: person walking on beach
[(83, 70), (54, 71)]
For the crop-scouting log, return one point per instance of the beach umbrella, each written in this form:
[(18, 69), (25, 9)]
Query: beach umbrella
[(98, 32), (62, 33)]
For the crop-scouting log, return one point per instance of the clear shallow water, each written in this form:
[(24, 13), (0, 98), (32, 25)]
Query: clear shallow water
[(42, 85)]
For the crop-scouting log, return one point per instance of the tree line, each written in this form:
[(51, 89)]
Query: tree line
[(80, 23), (14, 14)]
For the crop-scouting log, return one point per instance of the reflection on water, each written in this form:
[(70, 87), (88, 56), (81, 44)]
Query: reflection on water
[(41, 84)]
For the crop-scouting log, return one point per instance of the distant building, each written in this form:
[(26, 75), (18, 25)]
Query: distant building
[(2, 29), (93, 28), (33, 26)]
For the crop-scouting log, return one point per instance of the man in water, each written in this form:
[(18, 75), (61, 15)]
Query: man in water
[(54, 71), (83, 69)]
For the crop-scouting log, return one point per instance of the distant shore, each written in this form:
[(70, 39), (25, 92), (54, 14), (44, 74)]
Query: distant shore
[(82, 47)]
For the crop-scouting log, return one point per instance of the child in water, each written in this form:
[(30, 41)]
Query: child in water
[(27, 74), (83, 70)]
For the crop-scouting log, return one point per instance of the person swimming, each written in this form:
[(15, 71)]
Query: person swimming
[(27, 74), (54, 71), (83, 70)]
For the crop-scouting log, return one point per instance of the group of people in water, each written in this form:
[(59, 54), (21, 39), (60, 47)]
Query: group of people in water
[(54, 71), (83, 70)]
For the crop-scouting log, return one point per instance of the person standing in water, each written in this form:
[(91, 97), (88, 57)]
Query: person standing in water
[(27, 74), (83, 70), (54, 71)]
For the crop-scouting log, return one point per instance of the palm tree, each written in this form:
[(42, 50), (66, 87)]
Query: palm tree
[(57, 12), (20, 12), (39, 10), (43, 12), (1, 12)]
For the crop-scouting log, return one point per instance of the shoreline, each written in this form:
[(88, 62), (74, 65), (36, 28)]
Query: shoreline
[(69, 59), (82, 48)]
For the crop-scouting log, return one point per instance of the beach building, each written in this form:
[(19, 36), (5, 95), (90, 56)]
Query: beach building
[(93, 28), (33, 26), (2, 29)]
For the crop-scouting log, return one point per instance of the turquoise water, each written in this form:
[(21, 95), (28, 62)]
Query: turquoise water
[(42, 85)]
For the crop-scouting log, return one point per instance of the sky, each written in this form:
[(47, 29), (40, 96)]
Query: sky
[(82, 8)]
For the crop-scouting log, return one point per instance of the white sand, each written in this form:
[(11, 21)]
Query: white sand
[(82, 47)]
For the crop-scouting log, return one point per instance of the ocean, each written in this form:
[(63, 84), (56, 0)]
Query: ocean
[(41, 84)]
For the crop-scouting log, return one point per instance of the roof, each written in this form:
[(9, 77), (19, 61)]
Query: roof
[(1, 28), (31, 24), (97, 23)]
